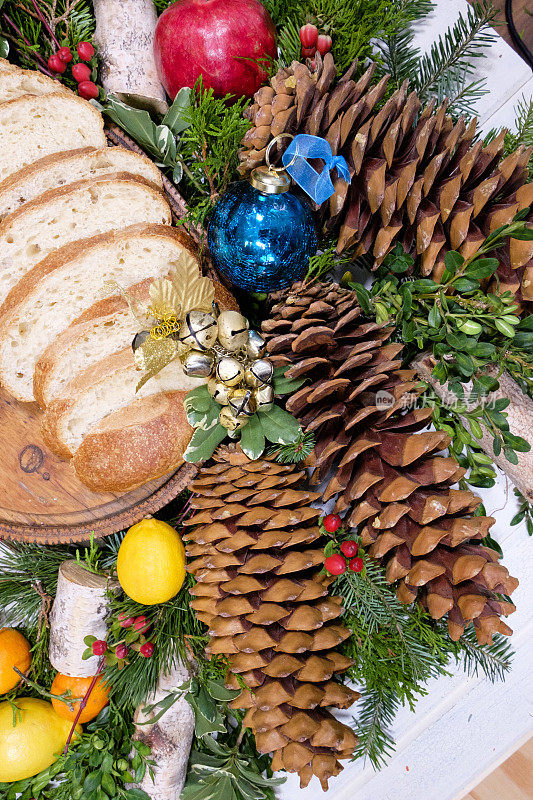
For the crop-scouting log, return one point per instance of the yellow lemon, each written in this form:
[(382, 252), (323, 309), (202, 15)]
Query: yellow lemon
[(151, 562), (34, 742)]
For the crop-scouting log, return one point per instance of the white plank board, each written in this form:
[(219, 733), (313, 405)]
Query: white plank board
[(465, 726)]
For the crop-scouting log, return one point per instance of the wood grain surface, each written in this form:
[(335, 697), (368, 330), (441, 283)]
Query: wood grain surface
[(513, 780), (42, 500)]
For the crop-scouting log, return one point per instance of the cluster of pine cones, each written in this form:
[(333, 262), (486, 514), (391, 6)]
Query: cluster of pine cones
[(418, 178)]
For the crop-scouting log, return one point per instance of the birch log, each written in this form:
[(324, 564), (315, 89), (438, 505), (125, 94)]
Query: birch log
[(125, 38), (169, 738), (519, 415), (80, 609)]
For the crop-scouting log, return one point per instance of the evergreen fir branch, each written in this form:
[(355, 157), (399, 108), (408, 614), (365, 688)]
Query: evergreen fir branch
[(400, 58), (493, 660), (324, 263), (523, 135), (296, 451), (377, 711), (446, 70), (289, 45)]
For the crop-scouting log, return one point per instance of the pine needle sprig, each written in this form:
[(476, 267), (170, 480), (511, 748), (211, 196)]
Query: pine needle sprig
[(377, 711), (446, 70), (522, 136), (399, 56), (493, 660)]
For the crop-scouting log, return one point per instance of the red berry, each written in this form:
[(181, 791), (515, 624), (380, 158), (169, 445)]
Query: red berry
[(356, 564), (99, 647), (56, 65), (336, 564), (308, 52), (121, 651), (81, 72), (85, 51), (349, 548), (125, 621), (147, 650), (332, 523), (308, 35), (324, 44), (65, 54), (88, 90), (141, 624)]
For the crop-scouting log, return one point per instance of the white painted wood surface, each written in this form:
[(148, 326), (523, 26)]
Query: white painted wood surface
[(464, 727)]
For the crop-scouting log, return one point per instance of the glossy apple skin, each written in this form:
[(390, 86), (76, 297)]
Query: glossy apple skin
[(213, 38)]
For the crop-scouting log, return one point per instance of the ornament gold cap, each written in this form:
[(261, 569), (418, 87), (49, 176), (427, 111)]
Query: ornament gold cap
[(270, 182)]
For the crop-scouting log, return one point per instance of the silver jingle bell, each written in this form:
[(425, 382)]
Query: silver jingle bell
[(139, 339), (242, 402), (197, 364), (231, 422), (232, 330), (218, 391), (229, 371), (260, 373), (256, 345), (199, 330), (264, 398)]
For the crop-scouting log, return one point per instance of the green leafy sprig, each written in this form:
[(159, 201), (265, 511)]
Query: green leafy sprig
[(274, 425), (467, 331), (524, 513), (99, 765)]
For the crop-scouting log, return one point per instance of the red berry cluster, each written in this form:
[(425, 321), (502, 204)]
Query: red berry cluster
[(81, 72), (132, 639), (337, 563), (312, 41)]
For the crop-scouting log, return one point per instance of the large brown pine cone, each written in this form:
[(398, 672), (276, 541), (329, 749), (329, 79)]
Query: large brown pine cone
[(384, 472), (417, 177), (262, 592)]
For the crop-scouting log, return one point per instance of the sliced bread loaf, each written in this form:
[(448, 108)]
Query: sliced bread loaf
[(33, 127), (16, 82), (137, 444), (61, 287), (71, 213), (100, 390), (103, 329), (70, 166)]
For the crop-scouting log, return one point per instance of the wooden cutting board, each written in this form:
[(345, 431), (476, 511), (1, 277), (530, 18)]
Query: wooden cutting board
[(42, 500)]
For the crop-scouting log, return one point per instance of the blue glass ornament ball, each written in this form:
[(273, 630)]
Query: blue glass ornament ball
[(261, 242)]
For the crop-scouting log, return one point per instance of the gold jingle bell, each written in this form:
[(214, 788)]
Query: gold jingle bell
[(232, 330), (242, 402), (260, 373), (229, 371), (218, 391), (256, 345), (264, 398), (197, 364), (231, 422), (199, 330)]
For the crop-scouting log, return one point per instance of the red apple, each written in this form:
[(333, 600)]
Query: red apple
[(222, 40)]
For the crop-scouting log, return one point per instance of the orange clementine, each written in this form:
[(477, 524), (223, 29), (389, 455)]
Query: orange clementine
[(78, 688), (14, 652)]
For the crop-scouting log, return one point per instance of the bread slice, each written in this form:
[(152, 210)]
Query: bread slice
[(103, 329), (16, 82), (61, 287), (33, 127), (100, 390), (71, 213), (134, 445), (60, 169)]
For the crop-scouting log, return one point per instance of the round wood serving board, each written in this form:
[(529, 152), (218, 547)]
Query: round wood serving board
[(42, 500)]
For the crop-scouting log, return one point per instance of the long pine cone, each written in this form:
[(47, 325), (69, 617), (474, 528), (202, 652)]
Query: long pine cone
[(384, 471), (261, 590), (418, 178)]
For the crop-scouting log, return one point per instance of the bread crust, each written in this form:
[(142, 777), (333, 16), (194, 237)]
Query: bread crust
[(42, 164), (118, 457)]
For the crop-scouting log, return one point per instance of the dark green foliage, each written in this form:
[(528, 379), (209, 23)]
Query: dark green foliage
[(525, 512), (446, 70), (297, 451), (97, 766), (354, 26), (466, 330), (396, 650)]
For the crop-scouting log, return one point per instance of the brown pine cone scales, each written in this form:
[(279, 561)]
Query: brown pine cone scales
[(261, 590), (417, 177), (385, 472)]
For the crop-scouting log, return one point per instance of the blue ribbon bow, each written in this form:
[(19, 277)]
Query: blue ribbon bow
[(317, 185)]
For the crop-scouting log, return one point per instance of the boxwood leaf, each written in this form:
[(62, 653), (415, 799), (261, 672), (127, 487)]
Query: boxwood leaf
[(253, 438)]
